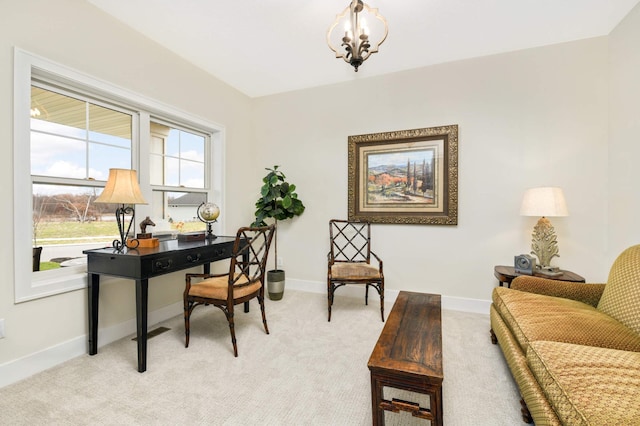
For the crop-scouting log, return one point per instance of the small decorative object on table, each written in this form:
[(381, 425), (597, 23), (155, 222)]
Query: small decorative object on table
[(209, 213), (524, 264), (191, 236), (144, 238)]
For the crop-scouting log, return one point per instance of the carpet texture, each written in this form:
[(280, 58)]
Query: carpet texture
[(306, 372)]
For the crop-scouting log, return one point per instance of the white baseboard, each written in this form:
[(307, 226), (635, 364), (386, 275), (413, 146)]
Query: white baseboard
[(477, 306), (29, 365)]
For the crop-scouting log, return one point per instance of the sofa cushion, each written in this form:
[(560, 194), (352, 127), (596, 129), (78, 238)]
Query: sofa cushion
[(587, 385), (532, 317), (621, 296)]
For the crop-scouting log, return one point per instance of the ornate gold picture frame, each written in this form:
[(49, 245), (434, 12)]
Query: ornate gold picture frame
[(406, 177)]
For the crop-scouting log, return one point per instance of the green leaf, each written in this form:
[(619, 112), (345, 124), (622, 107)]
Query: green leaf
[(286, 202)]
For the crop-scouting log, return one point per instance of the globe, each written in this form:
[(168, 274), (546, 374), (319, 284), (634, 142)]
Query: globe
[(208, 212)]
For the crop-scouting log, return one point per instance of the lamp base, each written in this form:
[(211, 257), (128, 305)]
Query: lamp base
[(544, 243), (552, 271)]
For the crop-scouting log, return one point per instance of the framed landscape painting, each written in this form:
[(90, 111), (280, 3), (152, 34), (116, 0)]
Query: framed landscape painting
[(408, 176)]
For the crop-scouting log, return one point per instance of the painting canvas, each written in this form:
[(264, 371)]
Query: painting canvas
[(404, 177)]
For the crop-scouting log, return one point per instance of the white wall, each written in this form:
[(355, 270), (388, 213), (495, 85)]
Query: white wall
[(80, 36), (624, 135), (536, 117)]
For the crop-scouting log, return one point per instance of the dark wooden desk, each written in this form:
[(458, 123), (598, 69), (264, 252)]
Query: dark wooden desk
[(141, 264), (408, 356), (506, 274)]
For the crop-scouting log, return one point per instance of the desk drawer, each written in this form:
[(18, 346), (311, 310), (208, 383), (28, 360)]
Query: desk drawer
[(115, 265), (166, 264)]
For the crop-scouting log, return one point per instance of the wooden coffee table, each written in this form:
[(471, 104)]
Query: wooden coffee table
[(408, 356)]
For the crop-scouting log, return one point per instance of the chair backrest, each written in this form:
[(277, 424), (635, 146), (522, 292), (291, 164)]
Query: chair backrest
[(249, 258), (350, 241), (621, 296)]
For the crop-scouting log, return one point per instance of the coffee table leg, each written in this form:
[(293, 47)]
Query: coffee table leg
[(376, 399), (436, 407)]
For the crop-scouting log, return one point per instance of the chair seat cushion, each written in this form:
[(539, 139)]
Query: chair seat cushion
[(532, 317), (217, 288), (353, 271), (586, 385)]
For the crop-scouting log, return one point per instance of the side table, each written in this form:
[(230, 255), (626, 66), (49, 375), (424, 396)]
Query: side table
[(506, 274)]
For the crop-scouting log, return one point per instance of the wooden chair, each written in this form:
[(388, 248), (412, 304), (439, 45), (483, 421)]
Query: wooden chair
[(349, 260), (243, 282)]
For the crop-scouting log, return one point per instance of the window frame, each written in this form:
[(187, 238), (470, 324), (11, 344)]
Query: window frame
[(27, 67)]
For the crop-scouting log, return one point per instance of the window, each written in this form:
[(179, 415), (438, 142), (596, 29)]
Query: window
[(73, 143), (77, 128), (177, 162)]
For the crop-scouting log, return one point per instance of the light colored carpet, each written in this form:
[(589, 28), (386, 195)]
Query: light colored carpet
[(306, 372)]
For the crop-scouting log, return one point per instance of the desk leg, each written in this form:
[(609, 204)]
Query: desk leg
[(142, 300), (93, 293)]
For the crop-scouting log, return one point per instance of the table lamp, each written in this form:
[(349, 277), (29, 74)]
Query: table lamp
[(122, 188), (544, 202)]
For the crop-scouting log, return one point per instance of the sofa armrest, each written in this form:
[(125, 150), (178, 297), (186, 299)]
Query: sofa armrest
[(585, 293)]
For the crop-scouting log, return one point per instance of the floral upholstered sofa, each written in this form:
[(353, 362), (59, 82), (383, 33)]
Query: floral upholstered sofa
[(574, 349)]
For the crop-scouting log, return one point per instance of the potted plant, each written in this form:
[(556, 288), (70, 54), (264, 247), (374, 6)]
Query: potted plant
[(278, 200)]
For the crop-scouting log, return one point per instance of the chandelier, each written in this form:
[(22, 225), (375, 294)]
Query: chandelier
[(356, 45)]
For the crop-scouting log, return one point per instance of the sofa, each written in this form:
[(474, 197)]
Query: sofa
[(572, 348)]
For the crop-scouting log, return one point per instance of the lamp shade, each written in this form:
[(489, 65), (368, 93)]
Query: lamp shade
[(122, 188), (545, 201)]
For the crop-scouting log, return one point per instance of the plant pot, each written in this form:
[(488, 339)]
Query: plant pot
[(275, 284), (37, 251)]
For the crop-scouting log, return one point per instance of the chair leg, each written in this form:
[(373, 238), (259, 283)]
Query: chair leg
[(232, 329), (187, 315), (264, 317), (228, 311), (330, 290), (382, 301), (366, 295)]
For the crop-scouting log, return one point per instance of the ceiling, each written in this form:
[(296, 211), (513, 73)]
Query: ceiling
[(263, 47)]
